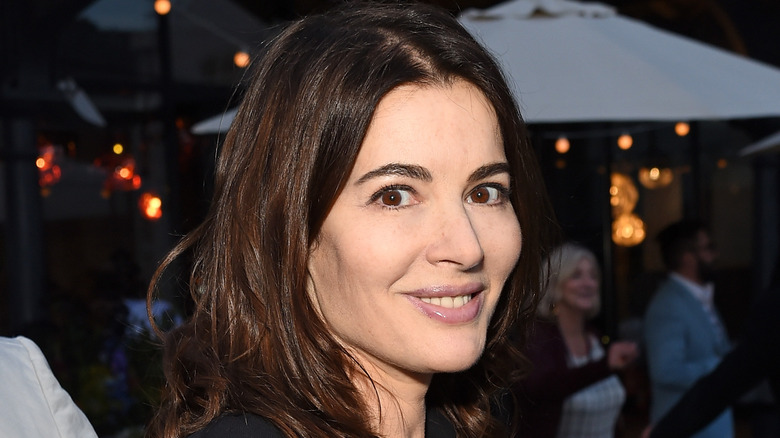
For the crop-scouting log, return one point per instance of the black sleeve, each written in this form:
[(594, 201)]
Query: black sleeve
[(239, 426)]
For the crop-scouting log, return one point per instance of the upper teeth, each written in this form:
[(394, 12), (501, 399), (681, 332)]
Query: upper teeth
[(448, 302)]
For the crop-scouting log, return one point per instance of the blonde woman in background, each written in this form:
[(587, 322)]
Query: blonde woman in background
[(572, 390)]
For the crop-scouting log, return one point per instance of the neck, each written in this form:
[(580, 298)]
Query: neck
[(397, 402), (570, 321), (690, 275)]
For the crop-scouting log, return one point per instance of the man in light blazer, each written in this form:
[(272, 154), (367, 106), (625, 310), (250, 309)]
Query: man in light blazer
[(685, 338)]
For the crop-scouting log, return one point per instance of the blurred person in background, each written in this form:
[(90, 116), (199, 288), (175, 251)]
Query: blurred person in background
[(755, 358), (685, 338), (572, 390)]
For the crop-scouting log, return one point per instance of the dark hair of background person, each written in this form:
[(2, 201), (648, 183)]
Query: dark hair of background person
[(254, 342), (677, 239)]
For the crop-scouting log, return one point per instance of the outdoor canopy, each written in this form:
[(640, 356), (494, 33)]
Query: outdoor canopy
[(581, 62)]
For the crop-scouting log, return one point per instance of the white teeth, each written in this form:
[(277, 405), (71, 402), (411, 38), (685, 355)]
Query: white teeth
[(447, 302)]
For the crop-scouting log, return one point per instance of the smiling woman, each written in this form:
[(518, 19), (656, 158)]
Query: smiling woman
[(376, 232)]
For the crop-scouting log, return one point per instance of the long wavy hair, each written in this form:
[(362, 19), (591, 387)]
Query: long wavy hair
[(254, 342)]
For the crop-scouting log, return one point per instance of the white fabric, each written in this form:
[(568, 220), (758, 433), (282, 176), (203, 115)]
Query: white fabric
[(32, 402), (568, 63)]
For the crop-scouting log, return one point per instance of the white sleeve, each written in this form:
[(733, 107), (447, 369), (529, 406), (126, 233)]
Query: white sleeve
[(32, 402)]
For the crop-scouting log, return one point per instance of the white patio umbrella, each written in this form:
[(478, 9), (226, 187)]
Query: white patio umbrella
[(766, 144), (581, 62), (215, 124)]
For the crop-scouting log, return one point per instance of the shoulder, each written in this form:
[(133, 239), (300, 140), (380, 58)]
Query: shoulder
[(244, 425), (669, 293)]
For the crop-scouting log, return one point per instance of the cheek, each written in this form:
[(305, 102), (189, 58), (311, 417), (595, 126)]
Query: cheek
[(503, 243), (360, 260)]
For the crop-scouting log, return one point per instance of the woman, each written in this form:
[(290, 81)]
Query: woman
[(361, 262), (572, 390)]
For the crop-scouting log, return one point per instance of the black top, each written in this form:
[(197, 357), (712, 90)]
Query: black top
[(252, 426), (754, 359)]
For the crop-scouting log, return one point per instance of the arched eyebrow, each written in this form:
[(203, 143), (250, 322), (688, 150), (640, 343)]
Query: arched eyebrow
[(398, 169), (489, 170), (418, 172)]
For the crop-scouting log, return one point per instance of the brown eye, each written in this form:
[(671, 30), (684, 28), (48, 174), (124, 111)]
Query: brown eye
[(485, 195), (392, 198)]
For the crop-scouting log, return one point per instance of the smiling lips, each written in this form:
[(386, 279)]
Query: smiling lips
[(448, 302), (450, 305)]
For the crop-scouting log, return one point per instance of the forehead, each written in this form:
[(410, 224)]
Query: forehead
[(426, 121)]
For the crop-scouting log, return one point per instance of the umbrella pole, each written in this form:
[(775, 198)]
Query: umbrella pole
[(608, 286)]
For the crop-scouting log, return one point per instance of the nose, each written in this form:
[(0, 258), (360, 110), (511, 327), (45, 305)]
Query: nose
[(455, 240)]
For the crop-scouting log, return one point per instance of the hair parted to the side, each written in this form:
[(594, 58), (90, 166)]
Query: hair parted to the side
[(254, 342), (561, 266)]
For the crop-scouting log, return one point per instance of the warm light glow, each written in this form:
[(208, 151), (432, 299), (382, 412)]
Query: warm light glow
[(124, 173), (562, 145), (625, 142), (162, 7), (682, 129), (560, 163), (628, 230), (623, 194), (49, 173), (655, 177), (118, 149), (150, 206), (722, 163), (241, 59)]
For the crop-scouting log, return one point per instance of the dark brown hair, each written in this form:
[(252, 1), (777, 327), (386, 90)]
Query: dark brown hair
[(254, 342)]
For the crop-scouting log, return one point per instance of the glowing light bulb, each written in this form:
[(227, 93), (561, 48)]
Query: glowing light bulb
[(241, 59), (150, 206), (625, 142), (682, 129), (118, 149), (562, 145), (162, 7)]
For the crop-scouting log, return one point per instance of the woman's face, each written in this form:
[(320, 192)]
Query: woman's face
[(411, 260), (580, 292)]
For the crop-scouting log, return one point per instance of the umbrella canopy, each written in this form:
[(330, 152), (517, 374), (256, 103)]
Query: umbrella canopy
[(767, 144), (215, 124), (581, 62)]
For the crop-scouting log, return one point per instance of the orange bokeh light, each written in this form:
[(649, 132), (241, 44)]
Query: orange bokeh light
[(150, 206)]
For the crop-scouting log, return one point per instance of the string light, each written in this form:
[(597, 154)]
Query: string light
[(118, 148), (682, 129), (625, 142), (162, 7), (241, 59), (562, 145)]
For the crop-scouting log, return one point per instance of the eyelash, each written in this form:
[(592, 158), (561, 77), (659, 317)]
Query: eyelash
[(503, 194), (390, 188)]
